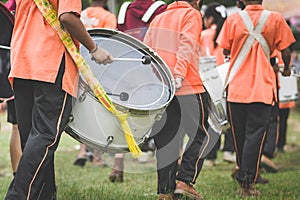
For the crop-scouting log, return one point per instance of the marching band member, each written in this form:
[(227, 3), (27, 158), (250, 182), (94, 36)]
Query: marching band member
[(251, 85), (175, 36), (44, 78)]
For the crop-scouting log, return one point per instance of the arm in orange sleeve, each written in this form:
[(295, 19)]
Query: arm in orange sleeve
[(188, 44), (286, 57)]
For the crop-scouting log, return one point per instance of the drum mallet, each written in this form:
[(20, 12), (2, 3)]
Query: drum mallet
[(4, 47), (145, 59), (123, 95)]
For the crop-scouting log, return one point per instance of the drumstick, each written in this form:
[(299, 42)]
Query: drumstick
[(4, 47), (144, 59), (123, 95)]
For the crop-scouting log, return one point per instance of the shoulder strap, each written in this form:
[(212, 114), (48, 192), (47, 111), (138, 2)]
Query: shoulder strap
[(151, 10), (254, 34), (122, 12)]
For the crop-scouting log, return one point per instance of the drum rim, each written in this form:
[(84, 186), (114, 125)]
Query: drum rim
[(135, 43)]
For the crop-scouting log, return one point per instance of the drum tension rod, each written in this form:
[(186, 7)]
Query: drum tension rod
[(145, 59)]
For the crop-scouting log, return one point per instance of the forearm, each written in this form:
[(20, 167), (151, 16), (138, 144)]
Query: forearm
[(286, 57), (77, 30)]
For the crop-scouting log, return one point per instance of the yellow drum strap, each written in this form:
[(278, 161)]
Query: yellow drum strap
[(50, 15)]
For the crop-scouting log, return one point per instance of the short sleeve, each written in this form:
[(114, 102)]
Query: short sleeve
[(74, 6), (284, 36), (224, 36)]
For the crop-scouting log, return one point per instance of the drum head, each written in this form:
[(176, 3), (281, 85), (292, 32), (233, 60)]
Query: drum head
[(6, 24), (131, 83)]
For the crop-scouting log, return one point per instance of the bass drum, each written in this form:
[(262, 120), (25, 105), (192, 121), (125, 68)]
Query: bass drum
[(143, 89), (6, 24)]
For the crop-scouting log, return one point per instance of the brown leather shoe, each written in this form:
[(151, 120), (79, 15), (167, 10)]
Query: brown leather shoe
[(165, 197), (249, 191), (184, 189), (234, 171), (261, 180), (117, 171), (268, 164)]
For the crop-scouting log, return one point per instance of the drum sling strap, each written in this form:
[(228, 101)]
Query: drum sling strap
[(147, 15), (254, 34), (50, 15)]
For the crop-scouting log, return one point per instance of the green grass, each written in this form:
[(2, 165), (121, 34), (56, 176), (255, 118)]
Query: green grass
[(91, 183)]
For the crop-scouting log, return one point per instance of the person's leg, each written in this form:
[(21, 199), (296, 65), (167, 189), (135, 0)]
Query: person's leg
[(81, 156), (211, 157), (270, 141), (15, 143), (117, 172), (167, 140), (97, 158), (272, 132), (257, 115), (237, 117), (194, 116), (228, 149), (15, 147), (283, 117), (48, 109)]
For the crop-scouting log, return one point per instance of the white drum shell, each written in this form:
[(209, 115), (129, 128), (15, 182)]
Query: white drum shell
[(288, 90), (213, 78), (91, 123), (94, 125)]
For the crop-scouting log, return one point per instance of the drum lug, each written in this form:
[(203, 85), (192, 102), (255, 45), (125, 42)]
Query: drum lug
[(158, 117), (71, 118), (109, 140), (83, 96)]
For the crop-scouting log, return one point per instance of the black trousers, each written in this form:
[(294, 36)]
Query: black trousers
[(283, 117), (185, 114), (270, 142), (228, 145), (248, 124), (42, 112)]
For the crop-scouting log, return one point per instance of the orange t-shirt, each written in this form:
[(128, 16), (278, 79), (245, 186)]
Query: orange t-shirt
[(36, 49), (255, 79), (207, 45), (98, 17), (175, 36), (285, 105)]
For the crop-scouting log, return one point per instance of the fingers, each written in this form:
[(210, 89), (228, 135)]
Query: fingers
[(101, 56)]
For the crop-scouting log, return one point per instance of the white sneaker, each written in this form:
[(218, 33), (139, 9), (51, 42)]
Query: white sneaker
[(209, 163), (229, 157)]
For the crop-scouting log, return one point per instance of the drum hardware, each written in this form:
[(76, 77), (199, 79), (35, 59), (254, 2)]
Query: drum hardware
[(294, 71), (123, 95), (144, 139), (158, 117), (71, 118), (145, 59), (83, 95), (109, 140), (4, 47)]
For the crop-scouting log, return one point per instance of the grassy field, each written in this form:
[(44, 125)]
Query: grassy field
[(91, 183)]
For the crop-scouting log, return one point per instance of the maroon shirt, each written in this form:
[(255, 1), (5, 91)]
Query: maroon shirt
[(135, 12)]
